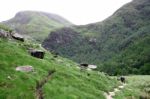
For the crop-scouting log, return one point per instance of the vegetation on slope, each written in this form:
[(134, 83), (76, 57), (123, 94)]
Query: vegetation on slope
[(6, 28), (67, 82), (138, 87), (118, 45), (135, 59), (36, 24)]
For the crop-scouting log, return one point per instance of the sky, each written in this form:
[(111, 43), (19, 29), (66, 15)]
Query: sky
[(79, 12)]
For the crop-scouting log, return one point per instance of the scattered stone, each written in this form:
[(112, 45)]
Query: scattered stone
[(116, 90), (8, 77), (121, 87), (108, 96), (92, 66), (24, 68), (37, 53), (88, 67), (17, 37), (4, 34), (112, 93)]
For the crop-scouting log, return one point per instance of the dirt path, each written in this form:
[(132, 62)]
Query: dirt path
[(110, 95), (41, 83)]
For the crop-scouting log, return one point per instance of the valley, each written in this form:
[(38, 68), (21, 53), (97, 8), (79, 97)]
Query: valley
[(44, 56), (117, 45), (68, 81)]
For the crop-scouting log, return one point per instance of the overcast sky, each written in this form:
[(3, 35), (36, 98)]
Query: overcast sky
[(76, 11)]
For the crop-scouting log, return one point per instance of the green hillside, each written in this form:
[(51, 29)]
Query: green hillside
[(55, 78), (118, 45), (5, 28), (36, 25), (138, 87)]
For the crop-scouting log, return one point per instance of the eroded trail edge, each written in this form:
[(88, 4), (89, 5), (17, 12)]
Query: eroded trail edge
[(41, 83), (110, 95)]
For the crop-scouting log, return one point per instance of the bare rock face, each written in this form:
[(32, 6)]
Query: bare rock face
[(18, 37), (24, 68), (37, 53)]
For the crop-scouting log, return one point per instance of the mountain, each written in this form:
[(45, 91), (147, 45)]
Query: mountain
[(36, 24), (51, 77), (118, 45)]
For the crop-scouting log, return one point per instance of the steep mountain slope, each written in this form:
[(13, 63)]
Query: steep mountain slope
[(36, 24), (51, 77), (118, 45)]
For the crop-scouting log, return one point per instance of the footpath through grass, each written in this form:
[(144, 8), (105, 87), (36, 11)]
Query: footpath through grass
[(68, 82), (138, 87)]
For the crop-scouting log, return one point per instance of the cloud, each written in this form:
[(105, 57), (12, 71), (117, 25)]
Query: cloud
[(76, 11)]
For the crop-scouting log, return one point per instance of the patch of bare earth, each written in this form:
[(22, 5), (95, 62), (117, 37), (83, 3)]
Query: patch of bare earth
[(41, 83)]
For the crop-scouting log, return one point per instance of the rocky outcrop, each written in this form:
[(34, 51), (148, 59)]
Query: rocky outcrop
[(11, 35), (18, 37), (4, 34)]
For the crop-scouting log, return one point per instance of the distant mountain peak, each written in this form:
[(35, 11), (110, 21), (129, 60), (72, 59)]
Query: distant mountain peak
[(37, 24)]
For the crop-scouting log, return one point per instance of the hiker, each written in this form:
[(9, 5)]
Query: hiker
[(122, 79)]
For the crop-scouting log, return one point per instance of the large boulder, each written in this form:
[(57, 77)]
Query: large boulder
[(17, 37), (88, 66), (37, 53), (24, 68)]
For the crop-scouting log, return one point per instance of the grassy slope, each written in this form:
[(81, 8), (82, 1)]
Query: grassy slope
[(31, 23), (117, 41), (68, 82), (4, 27), (138, 87)]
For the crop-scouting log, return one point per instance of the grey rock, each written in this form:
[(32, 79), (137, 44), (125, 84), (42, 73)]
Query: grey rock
[(4, 34), (17, 37), (24, 68)]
